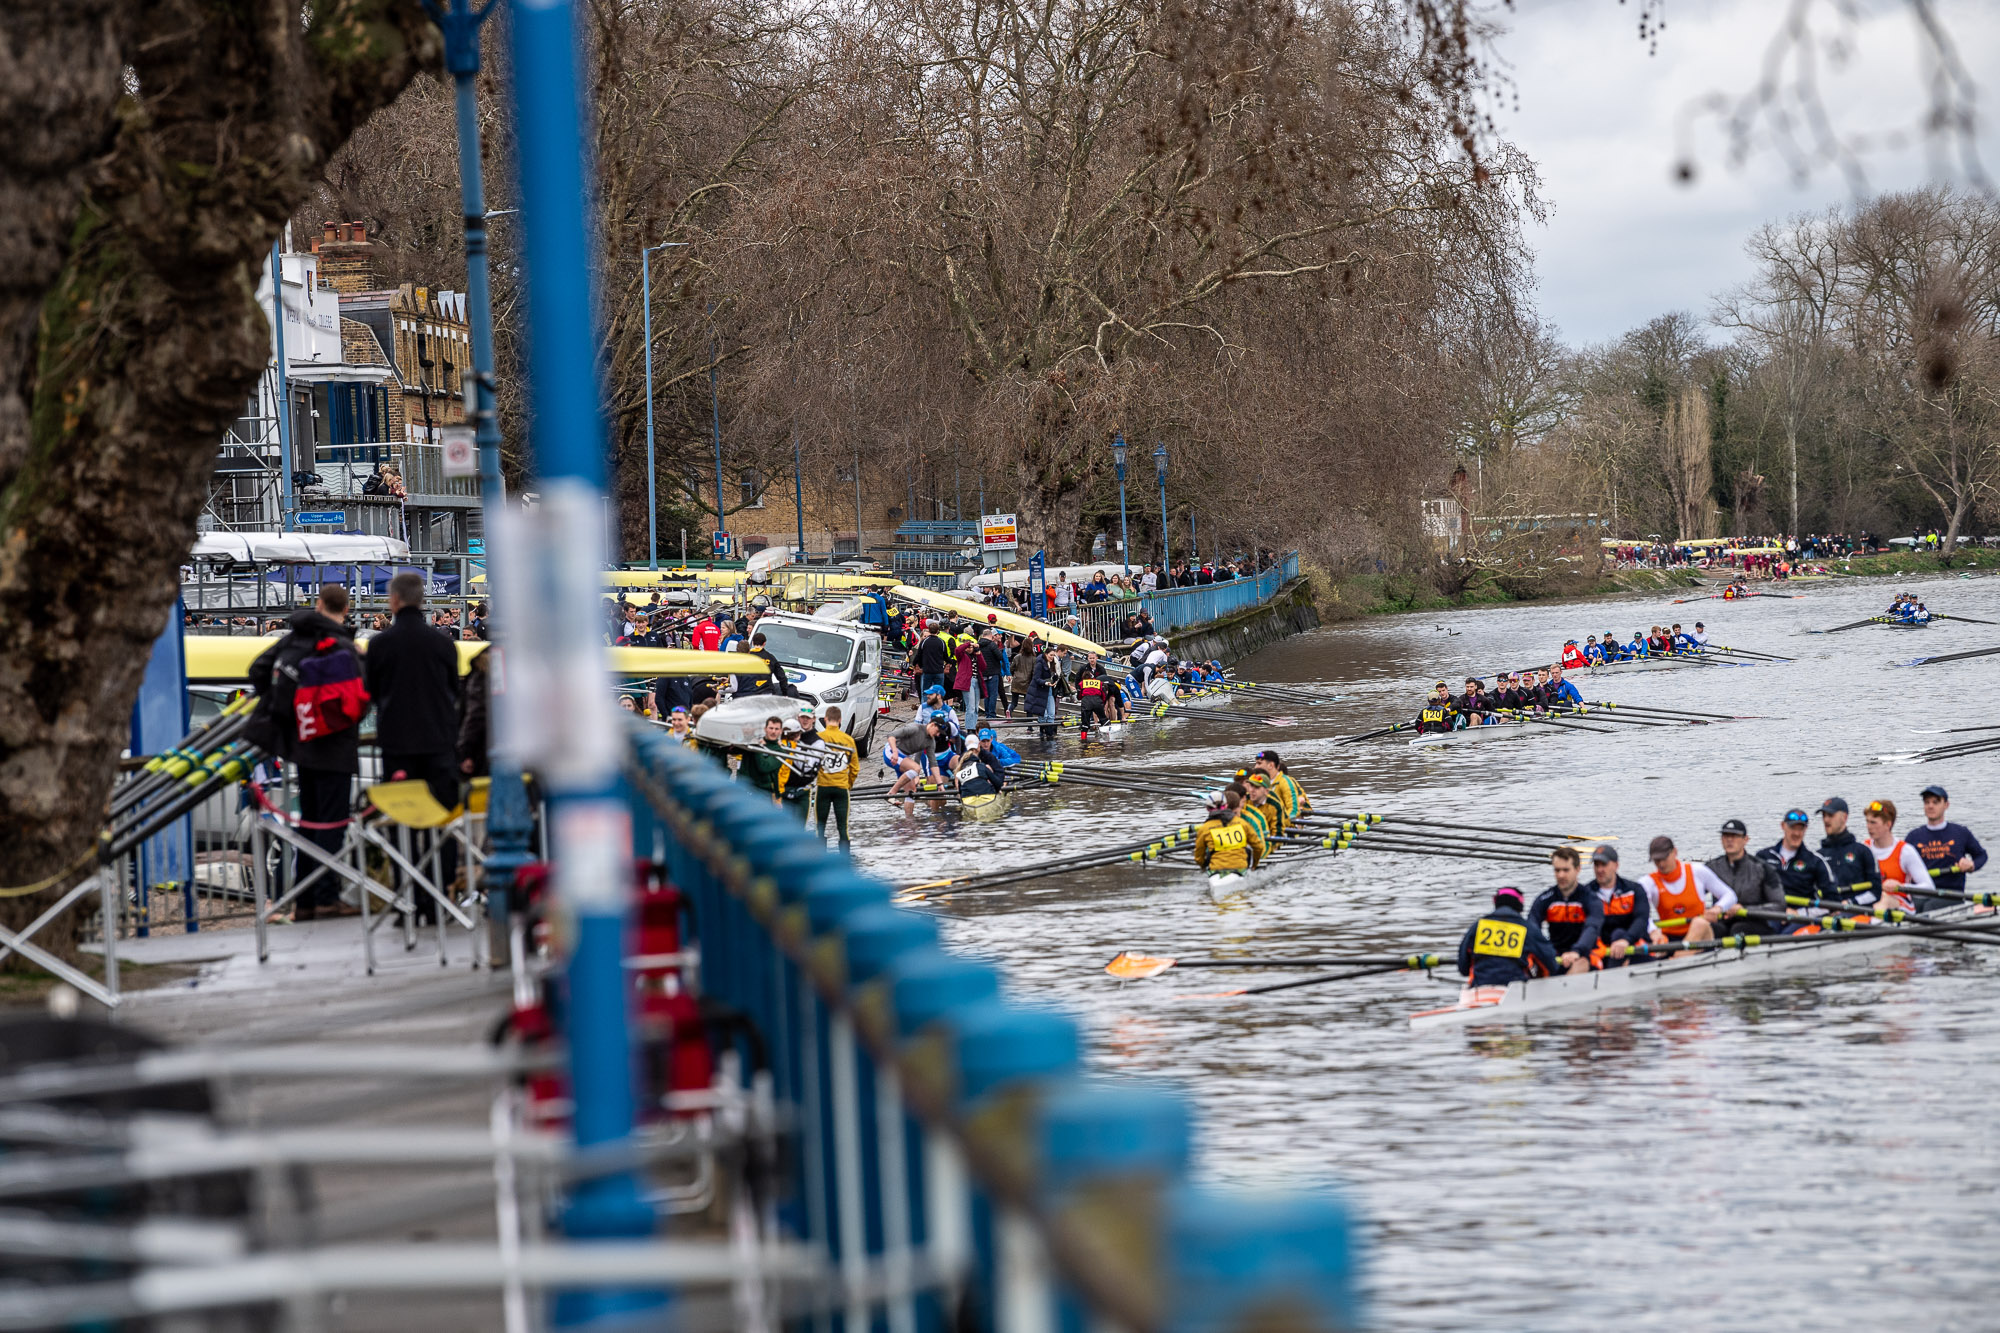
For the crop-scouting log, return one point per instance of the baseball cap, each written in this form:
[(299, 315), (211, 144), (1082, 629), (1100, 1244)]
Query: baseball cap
[(1271, 755), (1659, 847), (1735, 827), (987, 734), (1934, 790), (1699, 625), (1796, 817), (1605, 853), (1506, 895), (1833, 804), (937, 690)]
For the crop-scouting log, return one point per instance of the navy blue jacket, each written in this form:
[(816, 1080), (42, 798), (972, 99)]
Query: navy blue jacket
[(1943, 847), (1634, 924), (1850, 862), (1498, 964), (1572, 923), (1803, 872)]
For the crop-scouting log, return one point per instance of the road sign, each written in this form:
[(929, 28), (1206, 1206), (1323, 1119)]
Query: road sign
[(461, 451), (721, 542), (996, 533), (1038, 586), (322, 517)]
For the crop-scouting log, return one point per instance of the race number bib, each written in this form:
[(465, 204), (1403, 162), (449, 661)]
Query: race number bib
[(1228, 839), (834, 762), (1501, 939)]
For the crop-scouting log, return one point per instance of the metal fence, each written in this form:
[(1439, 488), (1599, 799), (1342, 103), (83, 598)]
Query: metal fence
[(1180, 608), (950, 1155)]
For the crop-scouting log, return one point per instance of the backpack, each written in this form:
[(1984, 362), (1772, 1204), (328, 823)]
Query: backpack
[(329, 696)]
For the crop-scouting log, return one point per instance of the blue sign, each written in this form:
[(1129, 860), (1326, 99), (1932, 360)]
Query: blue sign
[(1038, 586), (322, 517), (721, 543)]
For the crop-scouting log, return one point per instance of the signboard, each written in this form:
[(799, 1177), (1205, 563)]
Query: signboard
[(996, 533), (461, 451), (1038, 586), (322, 518), (721, 540)]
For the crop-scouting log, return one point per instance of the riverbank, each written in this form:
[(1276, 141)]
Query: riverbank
[(1355, 595), (1972, 559)]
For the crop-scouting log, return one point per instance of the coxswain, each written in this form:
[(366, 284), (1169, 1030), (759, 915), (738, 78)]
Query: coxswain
[(1501, 948), (1226, 840), (680, 726), (1896, 862), (982, 772), (1755, 883), (1948, 850), (1572, 656), (1687, 899), (1847, 858), (1628, 920), (1569, 913), (1438, 713), (1285, 788), (1800, 867), (1562, 693)]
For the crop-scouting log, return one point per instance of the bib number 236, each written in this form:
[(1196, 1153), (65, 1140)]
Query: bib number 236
[(1502, 939)]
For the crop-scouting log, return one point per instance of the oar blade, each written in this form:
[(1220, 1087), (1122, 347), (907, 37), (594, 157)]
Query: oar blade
[(1128, 966)]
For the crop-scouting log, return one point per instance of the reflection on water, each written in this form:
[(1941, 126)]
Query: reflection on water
[(1813, 1152)]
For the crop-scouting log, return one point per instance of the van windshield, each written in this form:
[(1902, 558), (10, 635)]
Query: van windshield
[(807, 649)]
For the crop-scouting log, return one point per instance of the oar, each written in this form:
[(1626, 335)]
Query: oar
[(1129, 966), (1667, 712), (1352, 828), (1470, 828), (1745, 652), (1525, 716), (1954, 657), (1376, 840), (1837, 629), (1385, 731), (1218, 715), (1967, 619), (1946, 731), (1371, 970)]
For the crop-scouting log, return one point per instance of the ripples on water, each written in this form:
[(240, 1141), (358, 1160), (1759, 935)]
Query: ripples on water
[(1812, 1152)]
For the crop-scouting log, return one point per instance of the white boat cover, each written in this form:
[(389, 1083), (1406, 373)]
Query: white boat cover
[(299, 548)]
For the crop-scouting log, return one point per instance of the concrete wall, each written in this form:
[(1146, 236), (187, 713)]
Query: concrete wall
[(1235, 637)]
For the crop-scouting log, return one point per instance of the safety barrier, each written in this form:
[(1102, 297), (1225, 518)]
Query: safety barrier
[(953, 1163), (1180, 608)]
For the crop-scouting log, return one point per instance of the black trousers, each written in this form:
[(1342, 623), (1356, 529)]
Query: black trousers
[(325, 797), (439, 772)]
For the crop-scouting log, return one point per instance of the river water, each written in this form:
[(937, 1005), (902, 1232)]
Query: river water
[(1808, 1152)]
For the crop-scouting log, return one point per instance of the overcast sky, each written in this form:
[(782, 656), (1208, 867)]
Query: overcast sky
[(1624, 242)]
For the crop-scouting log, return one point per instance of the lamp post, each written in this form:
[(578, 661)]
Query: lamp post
[(646, 297), (1118, 464), (1160, 468), (715, 421)]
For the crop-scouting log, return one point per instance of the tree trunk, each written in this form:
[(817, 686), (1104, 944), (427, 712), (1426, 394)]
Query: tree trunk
[(1792, 452), (133, 338), (1961, 506)]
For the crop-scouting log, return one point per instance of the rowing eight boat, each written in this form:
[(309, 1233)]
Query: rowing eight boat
[(1619, 985)]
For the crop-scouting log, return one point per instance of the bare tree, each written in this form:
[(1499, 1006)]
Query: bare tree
[(1685, 445), (1786, 312)]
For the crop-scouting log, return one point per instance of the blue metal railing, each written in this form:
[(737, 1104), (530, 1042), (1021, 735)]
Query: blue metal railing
[(951, 1159), (1179, 608)]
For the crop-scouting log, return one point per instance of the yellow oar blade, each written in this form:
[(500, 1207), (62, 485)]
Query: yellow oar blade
[(1137, 966)]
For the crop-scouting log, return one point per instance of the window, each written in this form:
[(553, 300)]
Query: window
[(753, 486)]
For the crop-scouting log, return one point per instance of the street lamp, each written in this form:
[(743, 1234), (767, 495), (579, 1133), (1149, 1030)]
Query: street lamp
[(1160, 467), (646, 297), (1118, 462)]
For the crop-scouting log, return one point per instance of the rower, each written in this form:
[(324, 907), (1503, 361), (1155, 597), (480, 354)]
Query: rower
[(983, 771), (1700, 636), (1593, 651), (1948, 850), (1755, 882), (1438, 714), (1803, 873), (1684, 642), (1226, 840), (1259, 804), (1570, 913), (1637, 648), (1847, 858), (1116, 709), (1896, 862), (908, 753), (1572, 656), (1503, 947), (1688, 896), (1473, 705), (1627, 915), (1090, 693), (1561, 693), (1285, 789)]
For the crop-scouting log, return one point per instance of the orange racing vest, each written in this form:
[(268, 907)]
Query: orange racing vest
[(1678, 898)]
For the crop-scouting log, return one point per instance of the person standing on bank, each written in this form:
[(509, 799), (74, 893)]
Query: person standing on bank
[(310, 702), (412, 674)]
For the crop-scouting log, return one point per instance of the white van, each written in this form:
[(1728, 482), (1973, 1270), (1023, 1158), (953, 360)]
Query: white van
[(830, 661)]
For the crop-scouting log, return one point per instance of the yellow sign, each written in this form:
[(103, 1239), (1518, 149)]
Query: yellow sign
[(996, 533), (1501, 939)]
